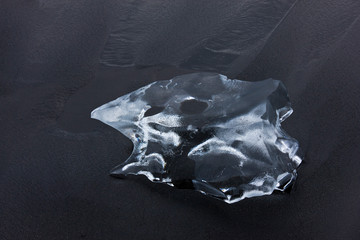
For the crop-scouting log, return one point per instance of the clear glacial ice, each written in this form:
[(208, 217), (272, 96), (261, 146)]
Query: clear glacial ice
[(206, 132)]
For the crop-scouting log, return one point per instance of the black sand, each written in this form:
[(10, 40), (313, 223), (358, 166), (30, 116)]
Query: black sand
[(54, 160)]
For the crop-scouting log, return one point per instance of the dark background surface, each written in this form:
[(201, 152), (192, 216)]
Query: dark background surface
[(54, 160)]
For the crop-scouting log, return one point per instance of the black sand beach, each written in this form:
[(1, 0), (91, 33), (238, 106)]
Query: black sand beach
[(55, 160)]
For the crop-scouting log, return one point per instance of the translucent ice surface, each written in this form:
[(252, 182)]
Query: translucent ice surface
[(204, 131)]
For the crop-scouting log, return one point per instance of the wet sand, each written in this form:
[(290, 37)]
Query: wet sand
[(54, 159)]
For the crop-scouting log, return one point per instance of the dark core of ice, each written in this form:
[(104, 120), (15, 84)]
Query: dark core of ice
[(204, 131)]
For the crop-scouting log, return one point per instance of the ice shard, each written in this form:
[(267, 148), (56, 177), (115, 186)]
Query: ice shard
[(203, 131)]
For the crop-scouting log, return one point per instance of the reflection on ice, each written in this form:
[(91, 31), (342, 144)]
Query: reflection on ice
[(204, 131)]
